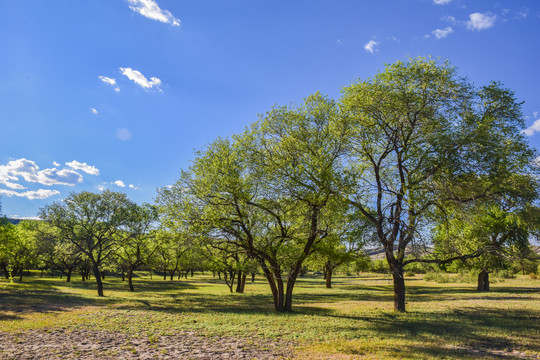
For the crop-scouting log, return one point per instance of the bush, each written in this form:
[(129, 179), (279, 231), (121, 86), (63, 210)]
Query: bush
[(533, 276), (505, 274), (437, 277)]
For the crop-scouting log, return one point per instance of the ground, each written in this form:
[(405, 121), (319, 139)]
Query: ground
[(196, 318)]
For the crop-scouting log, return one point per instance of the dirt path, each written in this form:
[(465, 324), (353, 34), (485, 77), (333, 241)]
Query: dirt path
[(94, 344)]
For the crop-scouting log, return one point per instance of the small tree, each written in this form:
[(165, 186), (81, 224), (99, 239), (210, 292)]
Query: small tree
[(91, 222), (136, 246)]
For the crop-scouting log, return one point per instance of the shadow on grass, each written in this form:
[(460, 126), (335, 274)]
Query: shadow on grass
[(22, 301)]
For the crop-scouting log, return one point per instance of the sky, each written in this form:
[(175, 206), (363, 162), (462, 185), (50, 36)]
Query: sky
[(118, 94)]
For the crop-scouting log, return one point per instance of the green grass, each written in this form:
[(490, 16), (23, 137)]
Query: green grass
[(354, 319)]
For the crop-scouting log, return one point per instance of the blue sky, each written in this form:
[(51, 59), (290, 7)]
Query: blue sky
[(118, 94)]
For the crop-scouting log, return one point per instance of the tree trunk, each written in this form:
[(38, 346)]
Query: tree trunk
[(192, 273), (68, 276), (21, 274), (252, 277), (483, 281), (123, 275), (399, 289), (241, 282), (103, 275), (130, 280), (328, 275), (99, 282)]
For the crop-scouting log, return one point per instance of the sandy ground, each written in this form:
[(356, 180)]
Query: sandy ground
[(95, 344)]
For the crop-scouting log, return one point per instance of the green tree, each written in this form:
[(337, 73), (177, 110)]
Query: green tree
[(17, 250), (136, 246), (266, 191), (53, 251), (426, 139), (91, 222)]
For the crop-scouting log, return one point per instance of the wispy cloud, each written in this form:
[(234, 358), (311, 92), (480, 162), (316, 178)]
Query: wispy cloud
[(479, 21), (110, 81), (139, 79), (31, 195), (442, 2), (371, 46), (93, 111), (92, 170), (442, 33), (151, 10), (534, 128)]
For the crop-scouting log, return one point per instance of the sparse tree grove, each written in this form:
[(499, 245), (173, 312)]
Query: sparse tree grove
[(415, 160)]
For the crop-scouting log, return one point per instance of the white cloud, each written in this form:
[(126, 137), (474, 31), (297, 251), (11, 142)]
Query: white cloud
[(110, 81), (442, 2), (102, 187), (119, 183), (151, 10), (31, 195), (370, 46), (56, 163), (93, 111), (140, 79), (479, 21), (534, 128), (75, 165), (131, 186), (442, 33), (30, 172)]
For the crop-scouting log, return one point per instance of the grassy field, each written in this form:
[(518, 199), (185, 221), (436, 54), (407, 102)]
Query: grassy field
[(354, 319)]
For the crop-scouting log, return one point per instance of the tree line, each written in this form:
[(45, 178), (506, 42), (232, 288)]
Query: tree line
[(414, 158)]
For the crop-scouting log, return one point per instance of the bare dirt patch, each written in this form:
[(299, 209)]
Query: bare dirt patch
[(95, 344)]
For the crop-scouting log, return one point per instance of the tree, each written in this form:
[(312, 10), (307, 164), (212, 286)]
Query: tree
[(499, 229), (135, 245), (92, 223), (266, 191), (348, 233), (54, 251), (16, 250), (424, 140)]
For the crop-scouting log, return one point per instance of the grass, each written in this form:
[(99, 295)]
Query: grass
[(354, 319)]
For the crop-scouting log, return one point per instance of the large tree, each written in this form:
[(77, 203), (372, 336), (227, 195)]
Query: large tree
[(91, 222), (267, 191), (426, 138)]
